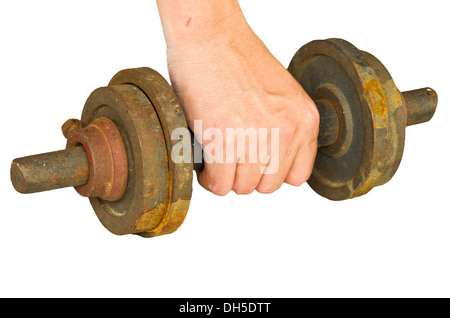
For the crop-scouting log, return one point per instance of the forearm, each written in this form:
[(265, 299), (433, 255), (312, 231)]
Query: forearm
[(191, 22), (224, 75)]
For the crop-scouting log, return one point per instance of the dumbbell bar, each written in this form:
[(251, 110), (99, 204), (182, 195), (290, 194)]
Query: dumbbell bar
[(119, 154), (70, 167)]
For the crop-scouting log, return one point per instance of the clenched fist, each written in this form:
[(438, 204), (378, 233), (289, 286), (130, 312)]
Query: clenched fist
[(227, 80)]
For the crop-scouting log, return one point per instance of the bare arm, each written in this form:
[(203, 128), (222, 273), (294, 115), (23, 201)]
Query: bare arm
[(225, 77)]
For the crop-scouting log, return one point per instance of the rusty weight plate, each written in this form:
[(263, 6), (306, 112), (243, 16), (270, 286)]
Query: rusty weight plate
[(145, 110), (175, 185), (371, 122), (142, 205), (396, 114)]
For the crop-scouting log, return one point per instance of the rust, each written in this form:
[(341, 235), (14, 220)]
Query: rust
[(119, 153), (49, 171), (148, 181), (107, 157), (420, 105), (170, 116), (69, 125), (371, 114)]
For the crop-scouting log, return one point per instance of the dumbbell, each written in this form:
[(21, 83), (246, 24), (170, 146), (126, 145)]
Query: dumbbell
[(121, 153)]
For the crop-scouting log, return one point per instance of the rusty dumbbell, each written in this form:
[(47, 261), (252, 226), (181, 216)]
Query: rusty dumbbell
[(120, 154)]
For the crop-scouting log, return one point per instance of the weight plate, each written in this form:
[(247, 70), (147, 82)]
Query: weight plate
[(336, 72), (143, 204), (396, 108), (171, 117)]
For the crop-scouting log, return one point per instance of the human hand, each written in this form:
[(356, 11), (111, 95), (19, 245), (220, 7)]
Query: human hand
[(225, 76)]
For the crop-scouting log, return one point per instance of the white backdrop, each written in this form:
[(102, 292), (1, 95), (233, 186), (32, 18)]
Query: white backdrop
[(393, 242)]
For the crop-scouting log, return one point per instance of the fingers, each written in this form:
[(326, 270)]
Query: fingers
[(244, 178), (303, 163), (247, 178), (217, 177), (240, 175), (277, 168), (302, 166), (291, 165)]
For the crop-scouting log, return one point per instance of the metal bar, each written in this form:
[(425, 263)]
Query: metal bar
[(52, 170), (420, 105)]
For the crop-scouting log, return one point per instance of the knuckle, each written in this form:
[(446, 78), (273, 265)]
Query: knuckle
[(298, 177), (288, 127), (312, 116), (242, 190), (218, 187), (267, 189), (306, 118), (295, 181), (220, 190)]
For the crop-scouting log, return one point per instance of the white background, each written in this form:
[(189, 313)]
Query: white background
[(393, 242)]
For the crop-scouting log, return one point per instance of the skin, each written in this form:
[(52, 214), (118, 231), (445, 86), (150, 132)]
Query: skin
[(225, 76)]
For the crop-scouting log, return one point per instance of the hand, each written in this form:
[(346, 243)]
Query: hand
[(225, 76)]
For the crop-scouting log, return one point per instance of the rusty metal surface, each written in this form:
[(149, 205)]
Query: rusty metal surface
[(421, 105), (94, 162), (180, 175), (142, 204), (371, 114), (120, 153), (107, 157), (396, 115), (49, 171)]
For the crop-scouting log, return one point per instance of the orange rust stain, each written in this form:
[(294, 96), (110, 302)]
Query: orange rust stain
[(179, 211), (376, 97), (149, 219), (171, 222)]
